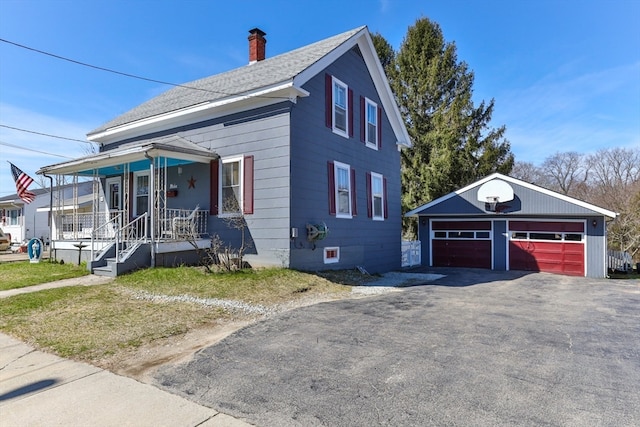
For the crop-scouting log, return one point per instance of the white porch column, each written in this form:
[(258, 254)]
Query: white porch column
[(152, 203)]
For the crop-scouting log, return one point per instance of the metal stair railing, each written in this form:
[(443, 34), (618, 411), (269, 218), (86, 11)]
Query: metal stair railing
[(107, 231), (133, 234)]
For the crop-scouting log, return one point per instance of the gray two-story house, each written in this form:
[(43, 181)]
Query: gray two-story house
[(299, 152)]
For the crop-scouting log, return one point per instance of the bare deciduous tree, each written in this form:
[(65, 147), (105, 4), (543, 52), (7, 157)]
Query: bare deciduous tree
[(567, 173)]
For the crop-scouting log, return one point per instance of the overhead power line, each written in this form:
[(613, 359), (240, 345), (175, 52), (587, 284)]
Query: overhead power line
[(109, 70), (33, 151), (46, 134)]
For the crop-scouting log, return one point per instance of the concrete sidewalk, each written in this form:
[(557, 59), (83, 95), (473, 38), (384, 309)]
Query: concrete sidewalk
[(38, 389), (88, 280)]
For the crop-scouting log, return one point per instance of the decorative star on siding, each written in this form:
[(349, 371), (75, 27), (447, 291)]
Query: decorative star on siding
[(192, 182)]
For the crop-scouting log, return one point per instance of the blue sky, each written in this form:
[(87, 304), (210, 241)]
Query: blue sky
[(565, 74)]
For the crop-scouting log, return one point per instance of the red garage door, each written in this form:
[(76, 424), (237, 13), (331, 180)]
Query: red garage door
[(552, 247), (461, 244)]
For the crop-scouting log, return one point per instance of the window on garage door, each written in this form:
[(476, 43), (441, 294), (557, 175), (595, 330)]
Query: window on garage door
[(567, 237)]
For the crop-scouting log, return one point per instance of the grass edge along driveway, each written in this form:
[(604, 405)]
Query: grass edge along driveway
[(97, 322)]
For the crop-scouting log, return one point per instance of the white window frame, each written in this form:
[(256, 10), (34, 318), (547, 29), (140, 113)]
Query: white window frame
[(9, 217), (240, 161), (335, 84), (369, 103), (332, 260), (375, 217), (136, 175), (337, 166)]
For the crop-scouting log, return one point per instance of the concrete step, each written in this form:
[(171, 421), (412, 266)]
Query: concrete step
[(105, 271)]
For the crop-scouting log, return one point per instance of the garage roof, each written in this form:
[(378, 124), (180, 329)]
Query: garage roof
[(529, 200)]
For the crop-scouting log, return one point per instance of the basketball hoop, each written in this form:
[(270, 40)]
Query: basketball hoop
[(494, 192), (492, 201)]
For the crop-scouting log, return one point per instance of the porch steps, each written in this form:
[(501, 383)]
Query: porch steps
[(136, 257)]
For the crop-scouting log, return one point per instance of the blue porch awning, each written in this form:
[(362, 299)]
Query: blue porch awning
[(175, 149)]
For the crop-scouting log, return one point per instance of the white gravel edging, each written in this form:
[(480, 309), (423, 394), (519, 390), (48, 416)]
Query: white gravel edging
[(230, 305)]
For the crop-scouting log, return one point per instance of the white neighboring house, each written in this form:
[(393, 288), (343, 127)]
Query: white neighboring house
[(25, 221), (22, 220)]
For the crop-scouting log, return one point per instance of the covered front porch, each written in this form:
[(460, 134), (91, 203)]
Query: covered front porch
[(135, 216)]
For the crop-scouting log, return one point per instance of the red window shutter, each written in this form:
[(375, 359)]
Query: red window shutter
[(369, 197), (363, 119), (214, 167), (380, 127), (384, 195), (354, 197), (332, 188), (350, 113), (247, 193), (328, 101)]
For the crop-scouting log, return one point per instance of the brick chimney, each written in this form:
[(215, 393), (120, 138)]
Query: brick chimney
[(257, 44)]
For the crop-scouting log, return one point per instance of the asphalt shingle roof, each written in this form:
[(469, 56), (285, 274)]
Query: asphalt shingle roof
[(271, 71)]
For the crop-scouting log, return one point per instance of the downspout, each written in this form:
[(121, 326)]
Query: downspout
[(50, 222), (152, 195)]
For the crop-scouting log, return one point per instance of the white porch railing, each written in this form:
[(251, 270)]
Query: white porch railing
[(197, 221), (411, 253), (81, 225), (618, 260)]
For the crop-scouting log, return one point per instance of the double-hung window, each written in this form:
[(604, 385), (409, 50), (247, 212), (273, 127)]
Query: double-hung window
[(232, 186), (342, 190), (371, 129), (370, 123), (376, 196), (338, 106)]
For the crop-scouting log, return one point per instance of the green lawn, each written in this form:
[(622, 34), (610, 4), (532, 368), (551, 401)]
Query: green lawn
[(15, 275), (97, 322)]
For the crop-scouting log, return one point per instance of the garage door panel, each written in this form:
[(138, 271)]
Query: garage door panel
[(550, 257), (462, 253)]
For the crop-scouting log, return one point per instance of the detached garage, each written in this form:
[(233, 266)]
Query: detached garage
[(502, 223)]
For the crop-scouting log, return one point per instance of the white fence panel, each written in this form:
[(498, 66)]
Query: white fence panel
[(411, 253), (618, 260)]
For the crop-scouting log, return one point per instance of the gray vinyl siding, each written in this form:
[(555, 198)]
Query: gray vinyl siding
[(596, 249), (375, 245), (263, 133), (499, 245), (424, 235), (527, 202)]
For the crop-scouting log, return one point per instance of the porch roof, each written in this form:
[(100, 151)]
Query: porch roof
[(175, 148), (70, 204)]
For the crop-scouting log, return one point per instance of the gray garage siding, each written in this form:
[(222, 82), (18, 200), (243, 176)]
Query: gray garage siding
[(362, 241), (526, 202), (596, 250)]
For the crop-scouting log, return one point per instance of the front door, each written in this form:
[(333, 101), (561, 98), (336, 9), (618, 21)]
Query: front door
[(140, 193), (114, 194)]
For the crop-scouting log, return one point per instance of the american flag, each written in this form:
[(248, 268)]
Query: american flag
[(23, 181)]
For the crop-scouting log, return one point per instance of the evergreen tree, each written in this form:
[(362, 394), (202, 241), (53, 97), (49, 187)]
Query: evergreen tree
[(453, 144)]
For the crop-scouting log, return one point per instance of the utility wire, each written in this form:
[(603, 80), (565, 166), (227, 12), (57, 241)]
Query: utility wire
[(45, 134), (126, 74), (33, 151)]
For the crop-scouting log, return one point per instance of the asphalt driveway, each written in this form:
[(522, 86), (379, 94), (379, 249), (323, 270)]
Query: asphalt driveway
[(474, 348)]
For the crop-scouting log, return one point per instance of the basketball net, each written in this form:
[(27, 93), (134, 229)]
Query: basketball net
[(492, 201)]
